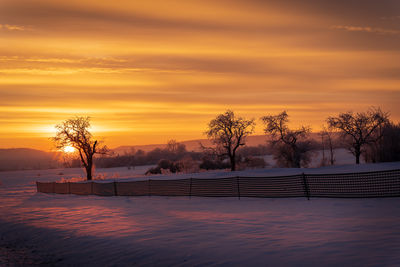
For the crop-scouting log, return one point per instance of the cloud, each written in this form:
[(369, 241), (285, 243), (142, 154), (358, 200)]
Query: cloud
[(390, 18), (366, 29), (12, 27)]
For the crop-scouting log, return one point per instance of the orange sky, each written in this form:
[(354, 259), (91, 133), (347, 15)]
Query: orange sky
[(150, 71)]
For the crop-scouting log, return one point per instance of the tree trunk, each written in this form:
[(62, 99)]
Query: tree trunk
[(233, 162), (332, 156), (296, 157), (89, 168), (89, 172), (357, 154)]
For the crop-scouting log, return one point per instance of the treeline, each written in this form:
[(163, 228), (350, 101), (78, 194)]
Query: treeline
[(174, 152), (28, 159), (176, 158)]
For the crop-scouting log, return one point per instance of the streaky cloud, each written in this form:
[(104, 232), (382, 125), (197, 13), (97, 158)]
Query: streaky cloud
[(366, 29), (12, 27)]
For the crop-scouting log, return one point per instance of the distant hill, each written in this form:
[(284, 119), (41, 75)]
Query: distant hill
[(27, 159)]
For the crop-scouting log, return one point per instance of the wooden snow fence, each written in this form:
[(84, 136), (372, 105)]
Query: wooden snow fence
[(346, 185), (62, 188), (138, 188), (103, 189), (46, 187), (223, 187), (80, 188), (283, 186)]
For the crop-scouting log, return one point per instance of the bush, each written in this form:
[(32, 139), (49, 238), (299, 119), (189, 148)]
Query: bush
[(253, 162), (165, 166), (155, 170), (216, 164), (188, 165), (289, 157)]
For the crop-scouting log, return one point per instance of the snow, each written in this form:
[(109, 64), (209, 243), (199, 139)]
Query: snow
[(125, 175), (71, 230)]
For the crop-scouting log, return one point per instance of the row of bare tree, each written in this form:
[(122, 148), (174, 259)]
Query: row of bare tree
[(360, 132), (369, 133)]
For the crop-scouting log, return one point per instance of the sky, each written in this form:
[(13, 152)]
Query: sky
[(150, 71)]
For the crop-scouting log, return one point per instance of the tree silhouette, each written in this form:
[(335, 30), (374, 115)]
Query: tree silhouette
[(327, 138), (288, 150), (75, 132), (228, 133), (359, 129)]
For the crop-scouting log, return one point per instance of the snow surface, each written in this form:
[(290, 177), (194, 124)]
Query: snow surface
[(71, 230)]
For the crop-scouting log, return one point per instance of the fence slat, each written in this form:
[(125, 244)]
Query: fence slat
[(81, 188), (45, 187), (61, 188), (222, 187), (137, 188), (103, 189), (305, 184), (288, 186)]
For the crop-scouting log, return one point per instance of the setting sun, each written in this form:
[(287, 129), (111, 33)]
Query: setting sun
[(69, 149)]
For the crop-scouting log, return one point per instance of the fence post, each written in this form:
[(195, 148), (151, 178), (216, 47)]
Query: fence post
[(306, 188), (115, 188), (238, 187), (190, 188), (91, 188)]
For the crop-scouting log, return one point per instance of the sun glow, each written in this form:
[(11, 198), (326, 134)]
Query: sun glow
[(69, 149)]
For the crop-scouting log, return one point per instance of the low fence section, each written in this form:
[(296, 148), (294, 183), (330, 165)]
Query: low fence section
[(371, 184), (347, 185)]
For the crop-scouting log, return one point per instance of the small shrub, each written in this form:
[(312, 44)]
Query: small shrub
[(155, 170), (165, 164), (253, 162), (188, 165), (209, 164)]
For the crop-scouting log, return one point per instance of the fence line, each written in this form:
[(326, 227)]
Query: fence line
[(348, 185)]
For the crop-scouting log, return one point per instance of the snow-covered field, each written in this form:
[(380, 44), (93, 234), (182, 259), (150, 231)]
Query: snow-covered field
[(341, 155), (70, 230)]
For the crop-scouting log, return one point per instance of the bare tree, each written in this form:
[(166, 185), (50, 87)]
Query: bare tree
[(327, 138), (175, 147), (75, 133), (387, 149), (359, 129), (228, 133), (289, 150)]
